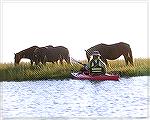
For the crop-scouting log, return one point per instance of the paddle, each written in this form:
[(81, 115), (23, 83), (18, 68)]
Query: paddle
[(77, 61)]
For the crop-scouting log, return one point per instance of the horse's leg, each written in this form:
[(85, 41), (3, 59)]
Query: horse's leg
[(105, 61), (126, 58), (31, 62), (43, 62), (130, 56), (130, 60), (61, 61), (67, 59), (37, 61)]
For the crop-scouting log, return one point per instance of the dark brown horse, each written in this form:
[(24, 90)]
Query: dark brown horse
[(27, 53), (112, 52), (51, 54)]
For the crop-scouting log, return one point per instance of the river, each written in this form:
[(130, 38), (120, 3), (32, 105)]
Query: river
[(127, 98)]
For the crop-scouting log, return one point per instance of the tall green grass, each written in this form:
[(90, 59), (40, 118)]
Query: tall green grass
[(141, 67), (24, 71)]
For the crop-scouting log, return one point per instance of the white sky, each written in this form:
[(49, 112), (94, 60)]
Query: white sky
[(76, 26)]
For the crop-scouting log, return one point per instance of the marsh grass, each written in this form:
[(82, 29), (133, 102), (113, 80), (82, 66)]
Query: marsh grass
[(24, 71), (141, 67)]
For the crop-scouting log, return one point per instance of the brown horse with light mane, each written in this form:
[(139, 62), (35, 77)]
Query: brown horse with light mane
[(112, 52), (27, 53)]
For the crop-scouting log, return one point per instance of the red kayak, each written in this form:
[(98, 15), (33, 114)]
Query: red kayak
[(82, 76)]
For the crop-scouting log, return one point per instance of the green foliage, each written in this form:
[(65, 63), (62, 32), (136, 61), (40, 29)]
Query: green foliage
[(24, 71)]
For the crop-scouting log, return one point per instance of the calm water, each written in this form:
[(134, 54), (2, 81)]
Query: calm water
[(75, 98)]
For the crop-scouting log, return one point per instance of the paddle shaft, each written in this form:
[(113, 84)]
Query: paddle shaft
[(77, 61)]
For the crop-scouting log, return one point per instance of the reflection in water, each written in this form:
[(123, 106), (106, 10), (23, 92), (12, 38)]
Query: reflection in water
[(124, 98)]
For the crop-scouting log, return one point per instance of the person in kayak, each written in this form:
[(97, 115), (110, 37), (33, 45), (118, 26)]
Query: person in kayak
[(95, 66)]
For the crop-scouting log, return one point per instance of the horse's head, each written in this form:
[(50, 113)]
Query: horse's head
[(88, 55), (17, 58)]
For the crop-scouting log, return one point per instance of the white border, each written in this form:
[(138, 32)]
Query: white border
[(72, 1)]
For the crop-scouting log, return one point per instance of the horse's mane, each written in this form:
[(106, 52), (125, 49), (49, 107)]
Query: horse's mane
[(49, 46), (27, 49), (94, 47)]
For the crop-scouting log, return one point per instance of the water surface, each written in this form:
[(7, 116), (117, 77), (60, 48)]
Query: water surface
[(75, 98)]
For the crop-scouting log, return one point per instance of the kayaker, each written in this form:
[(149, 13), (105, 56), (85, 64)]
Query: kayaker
[(96, 65)]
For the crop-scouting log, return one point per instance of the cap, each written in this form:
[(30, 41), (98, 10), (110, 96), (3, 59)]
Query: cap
[(96, 53)]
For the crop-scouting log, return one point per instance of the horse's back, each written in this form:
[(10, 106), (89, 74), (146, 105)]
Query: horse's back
[(63, 53), (103, 47), (62, 50), (112, 45), (110, 51)]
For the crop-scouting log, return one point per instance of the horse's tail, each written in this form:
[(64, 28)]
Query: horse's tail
[(130, 56), (67, 58), (65, 55)]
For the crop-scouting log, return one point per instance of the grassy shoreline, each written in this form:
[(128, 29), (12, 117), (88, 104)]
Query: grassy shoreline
[(24, 71)]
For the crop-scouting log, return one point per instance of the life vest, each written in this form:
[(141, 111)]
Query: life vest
[(97, 66)]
